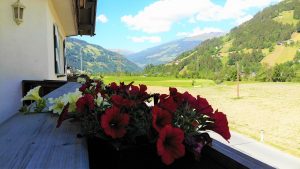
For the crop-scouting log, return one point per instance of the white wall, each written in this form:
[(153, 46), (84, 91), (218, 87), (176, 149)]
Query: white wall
[(26, 51)]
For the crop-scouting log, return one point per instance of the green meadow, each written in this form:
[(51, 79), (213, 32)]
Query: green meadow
[(160, 81)]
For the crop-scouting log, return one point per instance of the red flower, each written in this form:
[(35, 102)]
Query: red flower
[(189, 98), (221, 125), (134, 90), (114, 122), (83, 88), (169, 144), (119, 101), (202, 106), (176, 96), (114, 86), (63, 116), (143, 89), (160, 118), (86, 101), (168, 103)]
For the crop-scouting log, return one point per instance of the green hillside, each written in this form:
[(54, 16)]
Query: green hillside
[(96, 59), (262, 46)]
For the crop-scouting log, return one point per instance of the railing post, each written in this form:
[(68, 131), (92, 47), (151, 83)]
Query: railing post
[(262, 136)]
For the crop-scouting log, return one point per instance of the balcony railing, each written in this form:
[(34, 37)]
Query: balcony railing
[(33, 141)]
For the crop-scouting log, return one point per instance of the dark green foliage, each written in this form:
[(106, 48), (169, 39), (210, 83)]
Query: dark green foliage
[(283, 72), (264, 74), (298, 27), (297, 57), (297, 12)]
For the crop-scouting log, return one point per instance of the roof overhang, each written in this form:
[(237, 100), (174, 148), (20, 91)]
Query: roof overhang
[(78, 17), (86, 16)]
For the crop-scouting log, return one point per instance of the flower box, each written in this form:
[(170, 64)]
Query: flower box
[(169, 133), (103, 154)]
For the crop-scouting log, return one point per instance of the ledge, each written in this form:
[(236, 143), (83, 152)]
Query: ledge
[(32, 141)]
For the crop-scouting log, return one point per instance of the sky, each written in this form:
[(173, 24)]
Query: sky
[(135, 25)]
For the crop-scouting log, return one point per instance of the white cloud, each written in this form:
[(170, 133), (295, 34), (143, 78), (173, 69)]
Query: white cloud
[(102, 18), (198, 31), (243, 19), (142, 39), (161, 15)]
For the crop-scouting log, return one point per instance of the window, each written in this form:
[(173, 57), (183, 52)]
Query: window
[(59, 52)]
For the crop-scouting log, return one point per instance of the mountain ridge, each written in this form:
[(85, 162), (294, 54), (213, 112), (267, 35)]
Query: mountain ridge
[(96, 59), (166, 52), (260, 46)]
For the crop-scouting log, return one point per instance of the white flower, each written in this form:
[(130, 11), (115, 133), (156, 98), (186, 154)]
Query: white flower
[(81, 80), (60, 102), (72, 99), (33, 94), (99, 100), (57, 105)]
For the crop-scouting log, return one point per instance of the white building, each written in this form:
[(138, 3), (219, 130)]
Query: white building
[(34, 49)]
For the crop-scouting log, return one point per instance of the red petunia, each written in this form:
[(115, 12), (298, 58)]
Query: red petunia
[(168, 103), (173, 91), (114, 86), (63, 116), (221, 125), (170, 144), (160, 118), (143, 89), (202, 106), (134, 90), (87, 101), (189, 98), (83, 88), (114, 122), (119, 101), (176, 95)]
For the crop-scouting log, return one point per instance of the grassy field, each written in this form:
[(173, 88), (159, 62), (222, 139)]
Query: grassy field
[(159, 81), (272, 107), (286, 17), (280, 54)]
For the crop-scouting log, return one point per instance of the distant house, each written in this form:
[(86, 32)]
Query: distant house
[(280, 43), (32, 42)]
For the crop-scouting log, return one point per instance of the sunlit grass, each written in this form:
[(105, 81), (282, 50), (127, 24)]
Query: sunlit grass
[(272, 107), (280, 54), (286, 17), (159, 81)]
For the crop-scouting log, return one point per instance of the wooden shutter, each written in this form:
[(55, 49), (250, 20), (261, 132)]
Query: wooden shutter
[(64, 55), (56, 50)]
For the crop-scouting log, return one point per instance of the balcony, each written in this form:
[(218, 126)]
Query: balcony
[(33, 141)]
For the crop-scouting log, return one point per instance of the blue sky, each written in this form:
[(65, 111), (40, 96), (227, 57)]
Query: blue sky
[(139, 24)]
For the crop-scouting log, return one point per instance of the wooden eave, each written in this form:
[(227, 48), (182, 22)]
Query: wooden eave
[(86, 16)]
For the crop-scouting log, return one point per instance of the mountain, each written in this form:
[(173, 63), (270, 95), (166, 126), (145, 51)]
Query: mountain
[(167, 52), (96, 59), (265, 47), (123, 52)]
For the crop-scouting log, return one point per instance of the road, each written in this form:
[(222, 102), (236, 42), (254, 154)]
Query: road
[(260, 151)]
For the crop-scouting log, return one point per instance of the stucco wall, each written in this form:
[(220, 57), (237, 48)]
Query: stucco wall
[(26, 51)]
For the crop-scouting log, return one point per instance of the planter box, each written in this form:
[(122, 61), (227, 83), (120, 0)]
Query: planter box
[(103, 155)]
